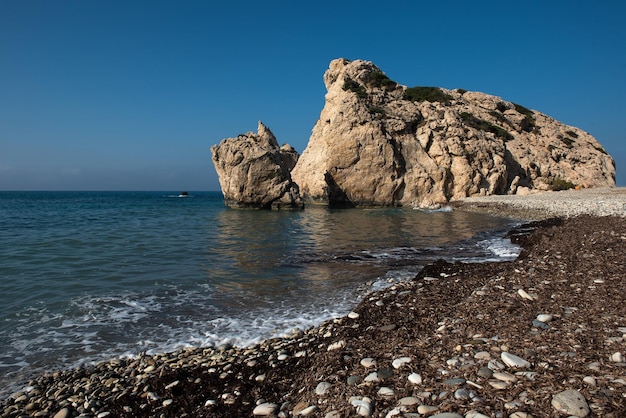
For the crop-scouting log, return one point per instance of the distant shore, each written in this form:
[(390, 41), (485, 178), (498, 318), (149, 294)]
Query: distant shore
[(541, 336)]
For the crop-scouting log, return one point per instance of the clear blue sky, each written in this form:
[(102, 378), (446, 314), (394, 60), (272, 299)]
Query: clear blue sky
[(130, 95)]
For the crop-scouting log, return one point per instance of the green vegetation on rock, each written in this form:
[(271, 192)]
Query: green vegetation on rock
[(558, 184), (379, 80), (355, 87), (427, 94), (483, 125)]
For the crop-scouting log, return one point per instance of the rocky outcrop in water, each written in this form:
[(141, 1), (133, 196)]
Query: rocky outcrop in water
[(254, 172), (379, 143)]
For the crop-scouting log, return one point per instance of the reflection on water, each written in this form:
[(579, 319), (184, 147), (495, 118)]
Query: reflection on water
[(318, 249)]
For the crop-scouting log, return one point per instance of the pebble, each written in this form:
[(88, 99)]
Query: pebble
[(355, 379), (63, 413), (363, 406), (415, 378), (482, 355), (447, 415), (485, 372), (498, 384), (571, 402), (524, 295), (409, 401), (265, 409), (514, 361), (372, 377), (520, 414), (505, 377), (368, 362), (386, 392), (427, 409), (353, 315), (454, 382), (461, 394), (308, 410), (399, 362), (322, 388), (475, 414), (386, 328), (590, 380), (545, 318), (618, 358), (336, 345)]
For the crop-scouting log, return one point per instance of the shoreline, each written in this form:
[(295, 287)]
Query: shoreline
[(544, 205), (423, 347)]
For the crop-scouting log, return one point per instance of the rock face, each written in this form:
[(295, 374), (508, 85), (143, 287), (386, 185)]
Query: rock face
[(378, 143), (254, 173)]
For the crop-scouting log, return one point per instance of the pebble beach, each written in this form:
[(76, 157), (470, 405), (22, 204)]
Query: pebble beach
[(541, 336)]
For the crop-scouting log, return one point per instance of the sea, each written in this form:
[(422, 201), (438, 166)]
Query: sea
[(93, 276)]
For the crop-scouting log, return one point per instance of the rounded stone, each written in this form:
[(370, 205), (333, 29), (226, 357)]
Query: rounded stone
[(322, 388), (386, 392), (415, 378), (264, 409), (514, 361), (545, 318), (571, 402), (399, 362), (409, 401), (455, 382), (368, 362), (427, 409)]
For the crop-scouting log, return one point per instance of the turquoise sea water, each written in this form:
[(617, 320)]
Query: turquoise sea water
[(88, 276)]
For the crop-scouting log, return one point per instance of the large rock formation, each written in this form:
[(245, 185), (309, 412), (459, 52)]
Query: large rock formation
[(378, 143), (254, 172)]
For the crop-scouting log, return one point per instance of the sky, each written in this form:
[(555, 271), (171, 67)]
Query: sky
[(131, 95)]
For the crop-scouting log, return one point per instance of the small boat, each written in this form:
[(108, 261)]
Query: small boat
[(183, 194)]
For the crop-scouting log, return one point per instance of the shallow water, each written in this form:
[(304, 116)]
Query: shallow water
[(88, 276)]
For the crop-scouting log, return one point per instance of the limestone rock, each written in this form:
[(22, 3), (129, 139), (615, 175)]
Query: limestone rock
[(378, 143), (255, 173)]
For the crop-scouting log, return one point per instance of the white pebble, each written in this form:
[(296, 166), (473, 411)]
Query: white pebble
[(524, 295), (426, 409), (415, 378), (545, 318), (618, 358), (590, 380), (336, 345), (571, 402), (363, 406), (386, 392), (399, 362), (475, 414), (308, 410), (368, 362), (322, 388), (514, 361), (372, 377), (505, 377), (265, 409), (353, 315)]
